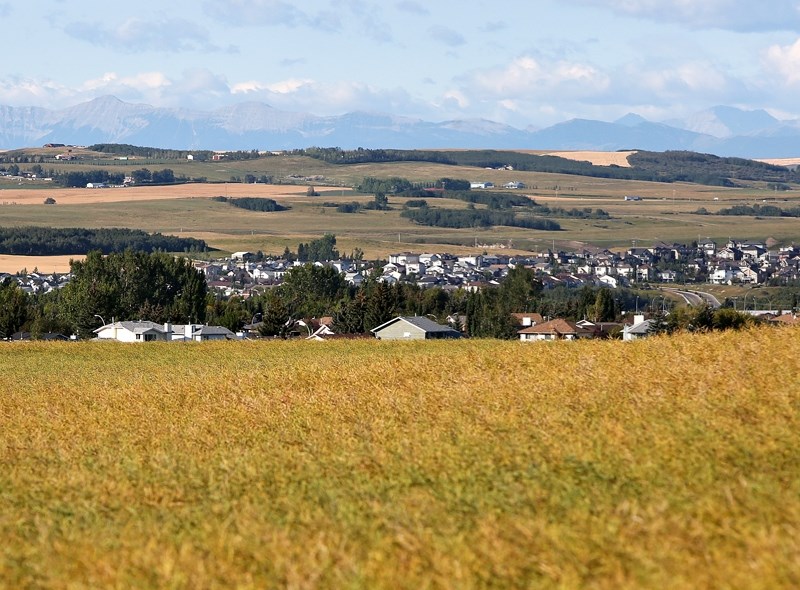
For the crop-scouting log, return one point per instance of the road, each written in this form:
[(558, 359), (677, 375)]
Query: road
[(696, 297)]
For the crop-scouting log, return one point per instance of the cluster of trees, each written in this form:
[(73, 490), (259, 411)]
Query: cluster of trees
[(575, 213), (701, 319), (684, 166), (152, 153), (321, 249), (133, 285), (493, 200), (393, 185), (78, 179), (483, 218), (165, 176), (337, 155), (379, 203), (313, 291), (123, 286), (252, 203), (755, 210), (50, 241)]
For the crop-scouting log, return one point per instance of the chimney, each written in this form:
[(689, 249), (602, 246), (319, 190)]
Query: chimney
[(638, 319), (168, 330), (187, 333)]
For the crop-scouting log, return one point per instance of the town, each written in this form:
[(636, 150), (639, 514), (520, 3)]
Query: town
[(675, 269)]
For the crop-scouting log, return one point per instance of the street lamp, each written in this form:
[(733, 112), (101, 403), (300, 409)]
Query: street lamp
[(101, 318)]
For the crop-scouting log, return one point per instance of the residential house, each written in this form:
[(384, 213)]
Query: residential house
[(135, 331), (641, 328), (413, 328), (557, 329), (526, 319)]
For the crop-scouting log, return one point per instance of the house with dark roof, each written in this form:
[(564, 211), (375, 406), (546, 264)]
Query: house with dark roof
[(413, 328), (557, 329)]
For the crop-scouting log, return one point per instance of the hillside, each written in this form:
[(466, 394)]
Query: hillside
[(661, 463)]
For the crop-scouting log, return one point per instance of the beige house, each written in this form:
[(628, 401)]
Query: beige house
[(557, 329), (413, 328)]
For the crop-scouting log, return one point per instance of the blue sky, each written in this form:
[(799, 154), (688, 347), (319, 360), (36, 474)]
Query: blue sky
[(521, 62)]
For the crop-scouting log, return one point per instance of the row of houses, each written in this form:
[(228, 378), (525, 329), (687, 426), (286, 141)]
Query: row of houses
[(751, 263), (37, 282)]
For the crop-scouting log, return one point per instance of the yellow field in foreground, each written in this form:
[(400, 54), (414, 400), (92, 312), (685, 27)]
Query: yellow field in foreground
[(666, 463)]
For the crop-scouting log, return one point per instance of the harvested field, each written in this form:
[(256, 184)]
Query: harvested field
[(82, 196), (596, 158), (781, 161), (14, 264)]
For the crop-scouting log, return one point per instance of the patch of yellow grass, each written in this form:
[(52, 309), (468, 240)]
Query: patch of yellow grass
[(45, 264), (663, 463), (781, 161), (595, 157), (81, 196)]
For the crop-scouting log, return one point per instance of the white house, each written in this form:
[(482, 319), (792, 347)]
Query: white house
[(640, 329), (143, 331), (139, 331)]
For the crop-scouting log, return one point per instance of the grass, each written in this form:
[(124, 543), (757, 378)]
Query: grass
[(666, 463)]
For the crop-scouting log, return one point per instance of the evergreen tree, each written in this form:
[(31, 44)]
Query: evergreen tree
[(13, 307)]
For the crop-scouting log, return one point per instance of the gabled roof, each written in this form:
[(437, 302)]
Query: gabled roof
[(642, 328), (518, 318), (213, 331), (138, 327), (419, 322), (557, 326)]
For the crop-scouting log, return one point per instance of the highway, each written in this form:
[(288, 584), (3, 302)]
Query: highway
[(696, 297)]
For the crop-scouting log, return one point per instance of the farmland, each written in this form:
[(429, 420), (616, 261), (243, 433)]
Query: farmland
[(664, 463), (666, 211)]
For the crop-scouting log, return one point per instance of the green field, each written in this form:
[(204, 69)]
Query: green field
[(666, 214), (664, 463)]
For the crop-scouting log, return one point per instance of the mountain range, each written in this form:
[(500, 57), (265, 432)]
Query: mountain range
[(722, 130)]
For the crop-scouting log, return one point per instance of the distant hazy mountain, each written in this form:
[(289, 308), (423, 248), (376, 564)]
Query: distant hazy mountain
[(726, 122), (725, 131)]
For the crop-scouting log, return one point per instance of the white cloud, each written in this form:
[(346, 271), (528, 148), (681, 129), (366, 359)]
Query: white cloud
[(685, 79), (138, 35), (446, 35), (785, 61), (734, 15), (327, 98), (412, 7), (261, 13), (527, 77)]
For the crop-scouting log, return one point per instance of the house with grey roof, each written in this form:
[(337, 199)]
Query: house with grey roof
[(413, 328), (138, 331), (641, 328)]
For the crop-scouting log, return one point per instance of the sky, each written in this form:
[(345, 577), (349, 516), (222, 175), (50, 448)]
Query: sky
[(525, 63)]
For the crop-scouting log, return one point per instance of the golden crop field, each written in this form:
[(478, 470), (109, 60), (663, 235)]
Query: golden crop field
[(663, 463)]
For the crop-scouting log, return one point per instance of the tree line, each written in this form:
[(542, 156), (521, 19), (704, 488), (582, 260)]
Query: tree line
[(51, 241), (478, 218), (252, 203), (669, 166), (755, 210)]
